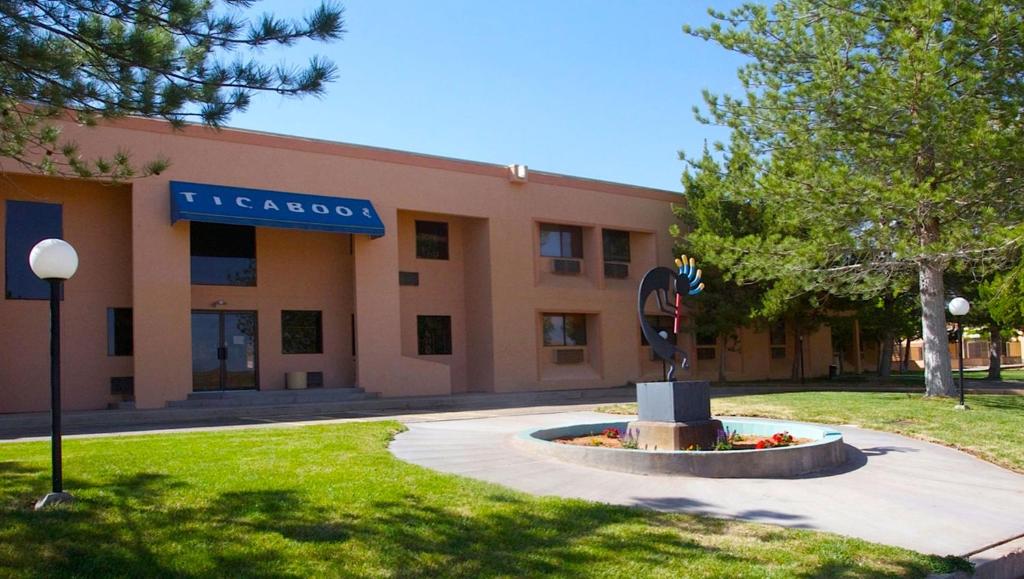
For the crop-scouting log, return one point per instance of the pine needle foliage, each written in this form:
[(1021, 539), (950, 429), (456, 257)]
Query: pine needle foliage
[(875, 142), (177, 60)]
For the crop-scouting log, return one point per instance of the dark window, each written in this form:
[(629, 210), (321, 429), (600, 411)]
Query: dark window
[(119, 331), (777, 338), (977, 349), (408, 278), (616, 245), (28, 223), (223, 254), (565, 330), (561, 241), (707, 345), (302, 332), (431, 240), (434, 334), (706, 338), (660, 324)]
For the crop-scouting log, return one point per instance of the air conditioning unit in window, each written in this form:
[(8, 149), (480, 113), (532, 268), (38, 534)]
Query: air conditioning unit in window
[(123, 386), (573, 356), (616, 270), (565, 266)]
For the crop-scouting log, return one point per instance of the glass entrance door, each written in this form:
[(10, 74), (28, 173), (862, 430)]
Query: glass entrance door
[(223, 350)]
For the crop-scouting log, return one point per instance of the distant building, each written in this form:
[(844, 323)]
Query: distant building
[(976, 352)]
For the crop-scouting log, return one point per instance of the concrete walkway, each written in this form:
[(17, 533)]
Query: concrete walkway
[(33, 424), (894, 490)]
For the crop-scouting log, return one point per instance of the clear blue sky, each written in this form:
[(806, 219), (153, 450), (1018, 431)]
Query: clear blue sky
[(590, 88)]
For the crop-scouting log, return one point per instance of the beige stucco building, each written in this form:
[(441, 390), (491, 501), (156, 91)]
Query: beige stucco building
[(485, 279)]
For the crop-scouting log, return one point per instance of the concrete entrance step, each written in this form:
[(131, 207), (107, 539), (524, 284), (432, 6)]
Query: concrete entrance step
[(246, 398)]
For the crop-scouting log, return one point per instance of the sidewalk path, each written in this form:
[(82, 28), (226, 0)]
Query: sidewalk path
[(894, 490), (37, 424)]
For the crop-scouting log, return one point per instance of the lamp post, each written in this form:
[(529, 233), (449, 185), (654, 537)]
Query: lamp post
[(959, 307), (54, 260)]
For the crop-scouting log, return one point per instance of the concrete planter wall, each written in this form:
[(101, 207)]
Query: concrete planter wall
[(825, 452)]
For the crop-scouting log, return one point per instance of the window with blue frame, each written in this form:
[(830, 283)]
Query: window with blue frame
[(119, 332), (28, 223)]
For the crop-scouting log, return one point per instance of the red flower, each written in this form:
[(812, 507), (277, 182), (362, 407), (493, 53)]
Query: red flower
[(612, 433), (761, 444)]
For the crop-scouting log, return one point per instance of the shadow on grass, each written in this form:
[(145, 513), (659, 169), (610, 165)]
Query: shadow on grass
[(151, 524), (718, 525), (1011, 402)]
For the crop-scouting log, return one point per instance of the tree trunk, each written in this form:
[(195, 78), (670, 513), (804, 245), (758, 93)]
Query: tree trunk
[(898, 351), (885, 355), (995, 370), (905, 362), (938, 376), (721, 358), (794, 373)]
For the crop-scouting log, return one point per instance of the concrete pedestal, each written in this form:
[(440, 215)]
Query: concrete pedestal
[(53, 499), (692, 435), (674, 401), (675, 416)]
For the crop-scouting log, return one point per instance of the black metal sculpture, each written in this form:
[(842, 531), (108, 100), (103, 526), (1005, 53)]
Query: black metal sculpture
[(662, 282)]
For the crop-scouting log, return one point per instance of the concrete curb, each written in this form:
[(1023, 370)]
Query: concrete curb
[(825, 453), (1002, 561)]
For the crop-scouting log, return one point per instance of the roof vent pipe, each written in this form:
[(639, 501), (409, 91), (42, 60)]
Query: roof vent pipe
[(517, 173)]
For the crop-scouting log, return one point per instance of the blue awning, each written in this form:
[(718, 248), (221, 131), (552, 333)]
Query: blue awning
[(241, 206)]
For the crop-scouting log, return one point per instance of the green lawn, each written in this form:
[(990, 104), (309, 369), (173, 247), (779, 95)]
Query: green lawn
[(912, 377), (331, 501), (993, 429), (1007, 375)]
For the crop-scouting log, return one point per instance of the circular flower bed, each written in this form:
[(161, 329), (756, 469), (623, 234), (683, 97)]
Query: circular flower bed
[(787, 449), (612, 437)]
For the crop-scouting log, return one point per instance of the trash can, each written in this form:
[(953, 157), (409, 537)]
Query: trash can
[(295, 380)]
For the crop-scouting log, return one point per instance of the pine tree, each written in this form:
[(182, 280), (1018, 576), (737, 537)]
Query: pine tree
[(881, 143), (179, 60)]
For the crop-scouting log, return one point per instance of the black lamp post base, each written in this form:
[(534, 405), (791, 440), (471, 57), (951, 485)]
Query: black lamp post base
[(54, 499)]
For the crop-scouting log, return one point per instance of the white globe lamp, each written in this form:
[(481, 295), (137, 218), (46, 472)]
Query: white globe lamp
[(959, 306), (53, 259)]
